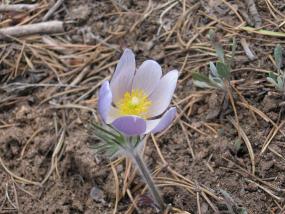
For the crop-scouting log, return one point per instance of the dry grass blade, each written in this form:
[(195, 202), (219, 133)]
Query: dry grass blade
[(29, 141), (265, 189), (116, 187), (55, 156), (261, 114), (247, 142), (16, 177), (268, 141), (263, 32), (52, 10)]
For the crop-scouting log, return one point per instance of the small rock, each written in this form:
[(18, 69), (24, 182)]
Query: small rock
[(97, 194)]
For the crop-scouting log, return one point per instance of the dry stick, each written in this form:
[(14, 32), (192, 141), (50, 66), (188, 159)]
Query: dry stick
[(52, 10), (253, 12), (17, 7), (32, 29)]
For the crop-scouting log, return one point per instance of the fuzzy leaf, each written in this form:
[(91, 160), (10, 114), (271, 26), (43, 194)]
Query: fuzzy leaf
[(280, 83), (242, 210), (219, 51), (217, 81), (202, 84), (202, 81), (223, 70), (278, 56), (213, 69), (272, 81), (200, 77), (111, 140), (272, 76), (218, 47)]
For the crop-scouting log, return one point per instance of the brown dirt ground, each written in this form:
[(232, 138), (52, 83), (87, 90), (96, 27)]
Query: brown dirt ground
[(204, 166)]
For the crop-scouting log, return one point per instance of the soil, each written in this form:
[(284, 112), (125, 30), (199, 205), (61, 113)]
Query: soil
[(45, 128)]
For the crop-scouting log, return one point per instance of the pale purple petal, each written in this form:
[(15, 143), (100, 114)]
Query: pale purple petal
[(163, 93), (130, 125), (104, 100), (113, 114), (122, 79), (162, 123), (147, 76)]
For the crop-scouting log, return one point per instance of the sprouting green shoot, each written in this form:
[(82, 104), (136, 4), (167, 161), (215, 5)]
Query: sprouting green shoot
[(219, 72), (277, 79)]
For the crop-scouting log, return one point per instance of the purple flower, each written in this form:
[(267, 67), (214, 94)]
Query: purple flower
[(136, 101)]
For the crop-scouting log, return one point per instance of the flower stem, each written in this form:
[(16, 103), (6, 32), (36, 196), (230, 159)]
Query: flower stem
[(148, 179)]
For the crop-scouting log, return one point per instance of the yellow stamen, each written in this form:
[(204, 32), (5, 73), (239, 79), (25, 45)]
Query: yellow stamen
[(134, 103)]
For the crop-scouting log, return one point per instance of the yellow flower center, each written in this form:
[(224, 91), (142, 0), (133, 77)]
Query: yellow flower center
[(134, 103)]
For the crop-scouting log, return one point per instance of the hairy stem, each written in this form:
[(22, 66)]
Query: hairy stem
[(148, 179)]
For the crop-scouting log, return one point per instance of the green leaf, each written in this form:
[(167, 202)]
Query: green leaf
[(200, 77), (219, 51), (223, 70), (111, 140), (272, 75), (278, 56), (272, 81), (280, 83), (202, 81), (218, 47), (242, 210)]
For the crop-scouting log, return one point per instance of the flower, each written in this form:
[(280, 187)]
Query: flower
[(136, 101)]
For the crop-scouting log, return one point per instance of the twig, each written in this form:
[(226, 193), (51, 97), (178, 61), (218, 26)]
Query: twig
[(32, 29), (52, 10), (17, 7)]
